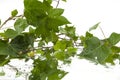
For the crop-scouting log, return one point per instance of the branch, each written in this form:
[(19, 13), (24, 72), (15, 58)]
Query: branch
[(57, 3), (10, 18), (5, 22)]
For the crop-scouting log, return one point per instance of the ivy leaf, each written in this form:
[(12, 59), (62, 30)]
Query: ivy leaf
[(3, 60), (96, 51), (54, 23), (102, 53), (20, 25), (60, 55), (62, 20), (55, 12), (57, 75), (35, 11), (94, 27), (52, 37), (42, 29), (114, 38), (70, 32), (14, 13), (71, 51), (48, 25), (20, 43), (115, 49), (92, 43), (60, 45), (10, 33), (6, 49)]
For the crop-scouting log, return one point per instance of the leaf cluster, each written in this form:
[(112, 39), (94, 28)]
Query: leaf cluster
[(44, 35)]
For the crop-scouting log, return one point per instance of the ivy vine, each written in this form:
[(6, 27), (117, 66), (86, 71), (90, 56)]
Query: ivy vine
[(44, 24)]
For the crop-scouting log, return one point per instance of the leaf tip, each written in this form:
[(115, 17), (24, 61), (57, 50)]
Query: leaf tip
[(94, 26)]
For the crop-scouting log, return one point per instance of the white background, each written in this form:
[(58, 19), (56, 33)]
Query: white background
[(83, 14)]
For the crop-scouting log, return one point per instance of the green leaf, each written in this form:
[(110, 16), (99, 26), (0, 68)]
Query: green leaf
[(57, 75), (88, 35), (35, 11), (112, 57), (10, 33), (60, 55), (54, 23), (92, 43), (96, 51), (20, 25), (52, 37), (62, 20), (94, 27), (3, 60), (14, 13), (102, 53), (55, 12), (71, 51), (21, 43), (46, 69), (6, 49), (42, 29), (114, 38), (115, 49), (60, 45), (48, 25), (57, 21), (70, 32)]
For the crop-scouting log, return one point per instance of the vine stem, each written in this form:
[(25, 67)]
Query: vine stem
[(10, 18), (57, 3), (6, 22), (102, 32)]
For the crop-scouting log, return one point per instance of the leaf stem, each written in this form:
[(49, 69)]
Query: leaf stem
[(102, 32)]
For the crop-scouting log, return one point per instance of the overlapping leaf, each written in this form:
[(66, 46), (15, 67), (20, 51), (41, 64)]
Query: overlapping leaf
[(114, 38), (6, 49), (10, 33), (20, 25), (101, 51)]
